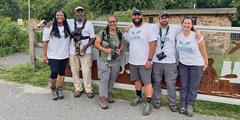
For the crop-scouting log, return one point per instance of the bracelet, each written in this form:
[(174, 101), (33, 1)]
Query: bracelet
[(149, 59)]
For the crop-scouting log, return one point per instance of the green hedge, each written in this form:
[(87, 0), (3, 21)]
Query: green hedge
[(12, 38)]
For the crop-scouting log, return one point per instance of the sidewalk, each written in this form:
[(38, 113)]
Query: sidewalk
[(25, 102)]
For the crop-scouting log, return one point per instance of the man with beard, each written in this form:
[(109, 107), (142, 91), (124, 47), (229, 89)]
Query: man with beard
[(164, 61), (142, 41), (82, 55)]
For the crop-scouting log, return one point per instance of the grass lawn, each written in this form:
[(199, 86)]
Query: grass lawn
[(24, 74), (218, 60)]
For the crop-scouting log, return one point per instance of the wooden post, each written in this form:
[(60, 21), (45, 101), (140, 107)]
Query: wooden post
[(31, 35)]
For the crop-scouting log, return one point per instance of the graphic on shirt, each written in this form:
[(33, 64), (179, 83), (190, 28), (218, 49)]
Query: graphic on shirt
[(61, 33), (163, 39), (185, 47), (135, 35)]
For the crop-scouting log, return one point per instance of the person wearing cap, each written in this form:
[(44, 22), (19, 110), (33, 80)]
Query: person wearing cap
[(81, 56), (164, 62), (142, 43)]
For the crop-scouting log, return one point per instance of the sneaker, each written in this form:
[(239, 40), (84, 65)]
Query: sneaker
[(110, 98), (103, 103), (189, 111), (173, 107), (183, 110), (136, 101), (156, 105), (77, 94), (147, 109), (60, 93), (54, 93), (90, 95)]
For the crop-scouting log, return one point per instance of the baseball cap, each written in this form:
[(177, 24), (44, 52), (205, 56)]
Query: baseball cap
[(136, 11), (164, 14), (78, 8)]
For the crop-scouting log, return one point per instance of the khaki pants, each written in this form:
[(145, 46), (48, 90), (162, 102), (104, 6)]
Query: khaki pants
[(86, 64)]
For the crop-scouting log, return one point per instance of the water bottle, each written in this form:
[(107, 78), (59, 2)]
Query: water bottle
[(109, 57)]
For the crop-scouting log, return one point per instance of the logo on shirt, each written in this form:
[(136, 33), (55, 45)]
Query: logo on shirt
[(135, 35), (185, 47)]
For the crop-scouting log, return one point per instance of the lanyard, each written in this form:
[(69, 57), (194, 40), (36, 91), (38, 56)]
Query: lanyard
[(164, 38)]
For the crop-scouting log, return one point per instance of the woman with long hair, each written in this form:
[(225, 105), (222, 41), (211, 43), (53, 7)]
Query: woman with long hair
[(193, 60), (110, 44), (56, 45)]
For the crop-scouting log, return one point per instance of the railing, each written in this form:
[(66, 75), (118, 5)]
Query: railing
[(213, 35)]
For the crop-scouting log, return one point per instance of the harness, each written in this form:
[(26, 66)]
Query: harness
[(106, 37)]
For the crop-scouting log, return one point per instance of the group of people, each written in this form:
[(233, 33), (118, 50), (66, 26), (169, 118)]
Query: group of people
[(156, 53)]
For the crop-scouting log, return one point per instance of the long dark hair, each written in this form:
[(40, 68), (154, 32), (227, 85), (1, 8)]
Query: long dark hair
[(190, 18), (55, 30)]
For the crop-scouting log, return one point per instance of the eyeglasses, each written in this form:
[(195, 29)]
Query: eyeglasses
[(112, 21)]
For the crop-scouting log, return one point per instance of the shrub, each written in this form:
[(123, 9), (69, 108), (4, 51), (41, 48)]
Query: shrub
[(12, 38)]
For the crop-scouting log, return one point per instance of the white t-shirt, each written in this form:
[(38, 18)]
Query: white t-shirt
[(188, 49), (88, 30), (58, 48), (139, 38), (169, 47)]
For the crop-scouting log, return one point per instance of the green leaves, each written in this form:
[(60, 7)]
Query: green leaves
[(12, 38)]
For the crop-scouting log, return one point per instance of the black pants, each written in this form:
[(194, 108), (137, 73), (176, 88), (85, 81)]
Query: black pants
[(57, 67)]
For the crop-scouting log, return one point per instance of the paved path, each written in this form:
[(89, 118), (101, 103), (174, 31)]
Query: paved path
[(25, 102), (13, 60)]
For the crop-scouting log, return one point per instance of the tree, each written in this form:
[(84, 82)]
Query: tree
[(109, 6), (213, 3), (72, 4), (236, 4), (10, 8)]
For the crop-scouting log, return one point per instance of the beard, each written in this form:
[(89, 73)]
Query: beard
[(137, 23)]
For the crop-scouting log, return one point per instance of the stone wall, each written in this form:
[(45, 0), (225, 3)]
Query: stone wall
[(216, 42)]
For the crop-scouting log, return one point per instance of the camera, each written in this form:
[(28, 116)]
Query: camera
[(114, 54), (161, 56), (77, 34)]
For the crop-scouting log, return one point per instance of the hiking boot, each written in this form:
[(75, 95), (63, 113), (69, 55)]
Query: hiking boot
[(54, 93), (172, 107), (60, 92), (103, 103), (136, 101), (147, 109), (90, 95), (110, 98), (183, 110), (189, 111), (77, 94), (156, 105)]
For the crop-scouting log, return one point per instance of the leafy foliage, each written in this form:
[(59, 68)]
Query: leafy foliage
[(10, 8), (70, 5), (109, 6), (12, 38)]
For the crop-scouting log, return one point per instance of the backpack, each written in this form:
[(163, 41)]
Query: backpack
[(106, 37)]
